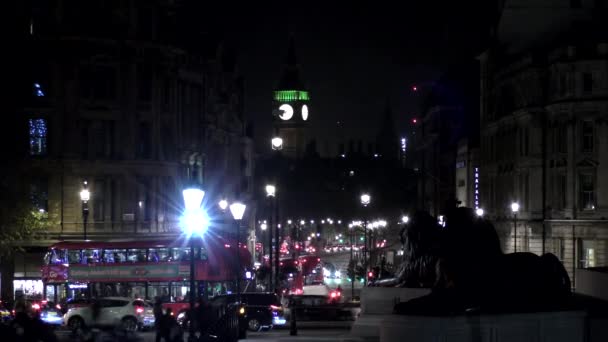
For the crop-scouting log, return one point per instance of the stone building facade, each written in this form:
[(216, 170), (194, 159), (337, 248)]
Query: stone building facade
[(544, 144), (109, 94)]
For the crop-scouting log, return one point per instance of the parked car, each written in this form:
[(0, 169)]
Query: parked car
[(263, 310), (50, 313), (129, 313), (5, 313)]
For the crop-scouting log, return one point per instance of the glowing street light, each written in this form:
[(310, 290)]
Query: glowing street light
[(223, 204), (365, 199), (405, 219), (237, 209), (85, 195), (277, 143), (515, 210), (270, 190), (479, 212), (195, 223)]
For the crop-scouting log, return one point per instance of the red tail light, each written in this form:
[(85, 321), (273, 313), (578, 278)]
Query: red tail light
[(36, 306), (58, 307), (139, 309), (333, 295), (276, 308)]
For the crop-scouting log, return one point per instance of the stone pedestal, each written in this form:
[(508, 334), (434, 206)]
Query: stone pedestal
[(568, 326)]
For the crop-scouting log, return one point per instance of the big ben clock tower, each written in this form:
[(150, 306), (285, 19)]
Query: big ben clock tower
[(291, 107)]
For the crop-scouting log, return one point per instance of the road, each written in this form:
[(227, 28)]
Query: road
[(307, 331)]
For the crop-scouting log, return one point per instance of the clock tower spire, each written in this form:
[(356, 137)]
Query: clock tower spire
[(291, 106)]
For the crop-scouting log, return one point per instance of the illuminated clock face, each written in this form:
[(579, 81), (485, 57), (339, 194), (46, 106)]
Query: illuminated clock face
[(287, 112), (304, 112)]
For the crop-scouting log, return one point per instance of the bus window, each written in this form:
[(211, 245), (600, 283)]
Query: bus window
[(57, 256), (114, 255), (91, 256), (158, 254), (74, 256), (180, 291), (136, 255), (160, 290), (201, 254), (181, 254), (47, 258)]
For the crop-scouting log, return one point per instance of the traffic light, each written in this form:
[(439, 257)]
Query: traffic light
[(414, 121), (370, 275)]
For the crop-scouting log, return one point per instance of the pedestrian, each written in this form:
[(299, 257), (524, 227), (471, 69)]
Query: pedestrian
[(168, 326), (203, 315), (158, 317)]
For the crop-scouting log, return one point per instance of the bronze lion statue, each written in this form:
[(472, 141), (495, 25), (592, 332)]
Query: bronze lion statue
[(464, 266)]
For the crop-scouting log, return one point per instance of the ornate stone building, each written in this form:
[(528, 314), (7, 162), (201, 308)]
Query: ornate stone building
[(127, 97), (544, 113)]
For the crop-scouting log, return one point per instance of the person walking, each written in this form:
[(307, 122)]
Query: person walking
[(158, 317)]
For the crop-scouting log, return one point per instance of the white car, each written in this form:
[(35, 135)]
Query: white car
[(129, 313)]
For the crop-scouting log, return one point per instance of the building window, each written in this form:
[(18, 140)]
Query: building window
[(145, 143), (563, 83), (39, 194), (587, 191), (144, 202), (587, 82), (144, 83), (561, 188), (559, 248), (99, 200), (523, 144), (38, 137), (98, 82), (562, 138), (103, 133), (587, 136), (586, 253)]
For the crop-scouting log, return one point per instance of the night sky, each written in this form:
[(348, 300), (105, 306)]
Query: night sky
[(354, 56)]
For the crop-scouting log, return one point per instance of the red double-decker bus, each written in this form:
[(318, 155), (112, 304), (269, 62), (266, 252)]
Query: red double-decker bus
[(300, 271), (141, 269)]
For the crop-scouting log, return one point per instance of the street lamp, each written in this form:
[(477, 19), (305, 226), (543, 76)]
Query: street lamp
[(351, 263), (195, 223), (405, 219), (237, 209), (270, 193), (223, 204), (514, 209), (277, 143), (85, 195), (365, 201), (479, 212)]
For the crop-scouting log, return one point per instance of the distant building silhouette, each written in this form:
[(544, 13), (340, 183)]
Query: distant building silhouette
[(130, 98)]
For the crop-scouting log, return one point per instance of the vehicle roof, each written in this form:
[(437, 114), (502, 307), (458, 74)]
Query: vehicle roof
[(119, 298)]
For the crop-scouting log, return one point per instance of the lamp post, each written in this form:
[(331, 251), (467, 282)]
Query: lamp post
[(365, 201), (514, 209), (237, 209), (195, 223), (352, 280), (85, 195), (270, 193)]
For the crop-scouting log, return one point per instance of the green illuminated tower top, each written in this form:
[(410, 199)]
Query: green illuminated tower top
[(291, 106)]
